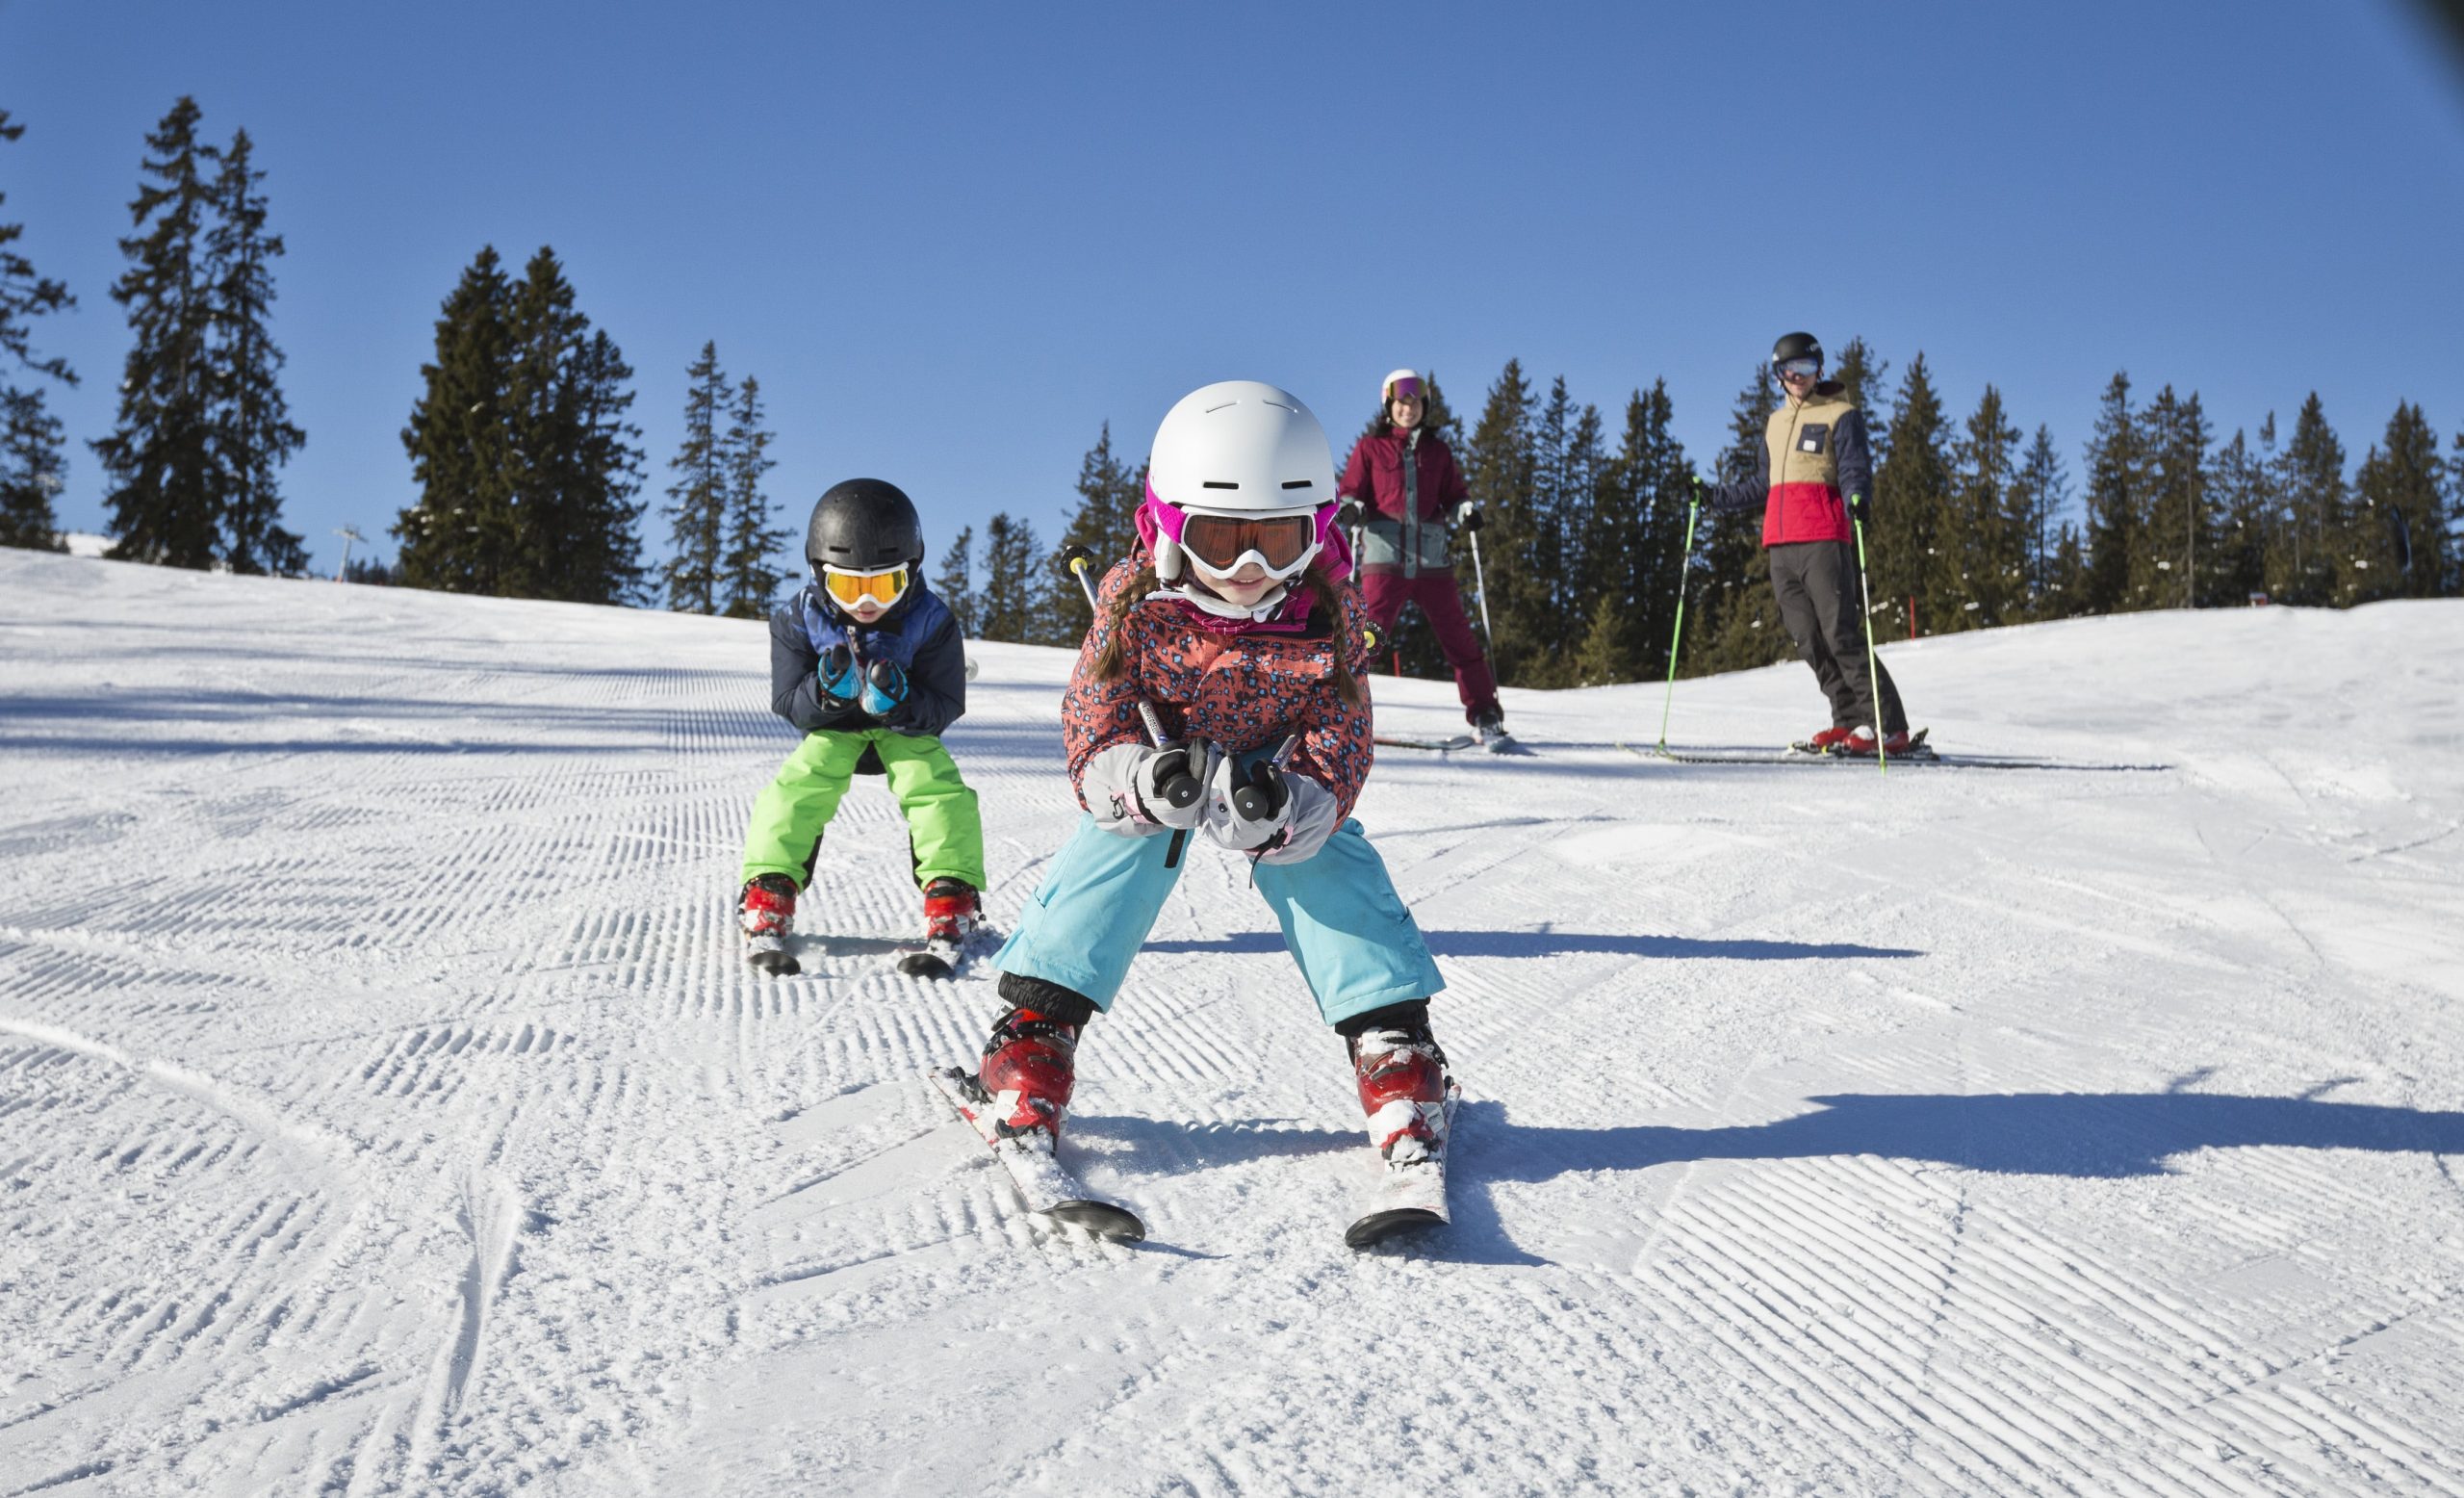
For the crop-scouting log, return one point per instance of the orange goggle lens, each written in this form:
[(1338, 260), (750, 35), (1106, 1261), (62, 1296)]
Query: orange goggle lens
[(854, 588), (1220, 541)]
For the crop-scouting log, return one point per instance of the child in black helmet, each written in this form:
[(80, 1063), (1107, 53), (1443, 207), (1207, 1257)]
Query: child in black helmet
[(873, 668)]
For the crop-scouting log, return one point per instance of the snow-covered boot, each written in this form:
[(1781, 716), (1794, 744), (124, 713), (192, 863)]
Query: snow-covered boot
[(1029, 1068), (952, 910), (1490, 728), (765, 908), (1403, 1089)]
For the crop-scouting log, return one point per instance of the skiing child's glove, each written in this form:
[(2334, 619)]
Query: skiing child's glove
[(884, 689), (838, 676), (1292, 818), (1129, 788)]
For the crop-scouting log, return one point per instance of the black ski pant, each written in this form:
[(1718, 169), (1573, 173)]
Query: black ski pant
[(1818, 593)]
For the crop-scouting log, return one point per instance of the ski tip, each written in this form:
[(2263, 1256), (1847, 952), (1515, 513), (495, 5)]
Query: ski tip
[(776, 964), (1378, 1227), (925, 964), (1102, 1219)]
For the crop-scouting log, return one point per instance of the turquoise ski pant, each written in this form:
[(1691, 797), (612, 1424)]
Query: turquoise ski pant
[(1356, 944)]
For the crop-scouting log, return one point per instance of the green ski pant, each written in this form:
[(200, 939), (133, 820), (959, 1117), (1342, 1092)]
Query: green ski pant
[(944, 831)]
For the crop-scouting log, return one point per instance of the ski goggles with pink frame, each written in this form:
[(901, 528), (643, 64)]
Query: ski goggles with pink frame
[(1281, 544)]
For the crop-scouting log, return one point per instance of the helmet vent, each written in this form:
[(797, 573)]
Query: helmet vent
[(1217, 484), (1298, 484)]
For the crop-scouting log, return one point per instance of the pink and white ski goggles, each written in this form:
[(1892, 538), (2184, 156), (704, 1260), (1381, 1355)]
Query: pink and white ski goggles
[(1283, 545)]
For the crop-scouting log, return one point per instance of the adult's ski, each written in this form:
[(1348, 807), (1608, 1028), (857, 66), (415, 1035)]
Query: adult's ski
[(1044, 1182), (1409, 1197), (1792, 755), (1439, 745)]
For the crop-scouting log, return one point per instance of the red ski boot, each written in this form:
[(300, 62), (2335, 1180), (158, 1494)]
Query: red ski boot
[(1831, 740), (1030, 1065), (952, 910), (765, 910), (1403, 1089), (1860, 741)]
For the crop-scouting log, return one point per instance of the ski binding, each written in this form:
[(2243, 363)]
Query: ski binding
[(1044, 1182)]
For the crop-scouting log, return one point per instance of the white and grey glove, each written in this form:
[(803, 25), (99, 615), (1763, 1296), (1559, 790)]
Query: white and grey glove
[(1124, 788), (1296, 813)]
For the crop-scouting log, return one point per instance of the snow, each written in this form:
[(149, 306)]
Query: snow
[(384, 1107)]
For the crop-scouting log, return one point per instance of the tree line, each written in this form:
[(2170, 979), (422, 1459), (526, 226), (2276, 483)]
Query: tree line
[(529, 472)]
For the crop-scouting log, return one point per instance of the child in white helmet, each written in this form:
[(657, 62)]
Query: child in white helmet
[(1233, 620)]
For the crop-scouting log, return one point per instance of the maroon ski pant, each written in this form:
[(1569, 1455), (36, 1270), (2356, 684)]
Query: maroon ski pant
[(1385, 590)]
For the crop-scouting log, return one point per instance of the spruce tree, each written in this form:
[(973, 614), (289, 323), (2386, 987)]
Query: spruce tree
[(1499, 468), (164, 499), (1986, 541), (251, 431), (1861, 373), (698, 500), (2040, 492), (1533, 586), (2399, 539), (1732, 619), (1655, 466), (30, 471), (2117, 501), (595, 550), (2175, 524), (1105, 523), (459, 536), (2244, 490), (751, 577), (955, 585), (1631, 570), (32, 464), (1910, 547), (2311, 475), (1014, 593)]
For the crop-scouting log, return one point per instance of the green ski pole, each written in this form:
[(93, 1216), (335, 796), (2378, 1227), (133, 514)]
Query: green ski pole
[(1684, 560), (1873, 671)]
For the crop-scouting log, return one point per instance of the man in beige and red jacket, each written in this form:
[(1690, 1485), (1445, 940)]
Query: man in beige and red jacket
[(1813, 469)]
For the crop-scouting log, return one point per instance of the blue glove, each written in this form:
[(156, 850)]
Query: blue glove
[(837, 674), (884, 689)]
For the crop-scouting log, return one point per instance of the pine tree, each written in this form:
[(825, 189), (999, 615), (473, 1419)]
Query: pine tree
[(2040, 492), (163, 497), (1630, 556), (2311, 475), (1105, 523), (750, 579), (1861, 373), (1499, 470), (2242, 485), (1910, 547), (1732, 619), (697, 514), (30, 469), (955, 585), (1014, 594), (525, 463), (2399, 540), (251, 431), (2175, 524), (460, 536), (32, 464), (2117, 500), (1984, 543)]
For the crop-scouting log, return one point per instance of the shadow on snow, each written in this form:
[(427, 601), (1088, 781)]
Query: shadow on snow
[(1558, 944)]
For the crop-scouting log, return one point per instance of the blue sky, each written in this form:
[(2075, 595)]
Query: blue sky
[(953, 240)]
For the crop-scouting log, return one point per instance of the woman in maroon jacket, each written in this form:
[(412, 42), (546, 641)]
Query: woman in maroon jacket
[(1404, 480)]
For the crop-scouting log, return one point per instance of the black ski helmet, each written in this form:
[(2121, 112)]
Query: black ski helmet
[(864, 526), (1796, 346)]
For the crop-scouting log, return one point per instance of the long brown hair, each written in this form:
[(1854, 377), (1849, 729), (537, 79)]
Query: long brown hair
[(1325, 592)]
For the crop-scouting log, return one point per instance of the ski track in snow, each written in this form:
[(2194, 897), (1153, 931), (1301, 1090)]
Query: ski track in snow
[(384, 1107)]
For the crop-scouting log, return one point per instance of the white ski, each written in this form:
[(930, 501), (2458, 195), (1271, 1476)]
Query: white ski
[(1440, 745), (1044, 1182)]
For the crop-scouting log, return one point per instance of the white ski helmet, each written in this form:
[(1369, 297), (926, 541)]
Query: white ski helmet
[(1243, 449)]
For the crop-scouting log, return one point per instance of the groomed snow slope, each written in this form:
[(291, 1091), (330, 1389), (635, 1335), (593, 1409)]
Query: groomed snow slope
[(384, 1107)]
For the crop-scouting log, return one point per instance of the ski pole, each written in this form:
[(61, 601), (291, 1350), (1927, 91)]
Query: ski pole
[(1685, 560), (1181, 788), (1481, 580), (1873, 670)]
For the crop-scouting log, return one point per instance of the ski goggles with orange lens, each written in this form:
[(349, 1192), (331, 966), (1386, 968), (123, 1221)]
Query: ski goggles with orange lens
[(851, 588), (1280, 543), (1407, 388)]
